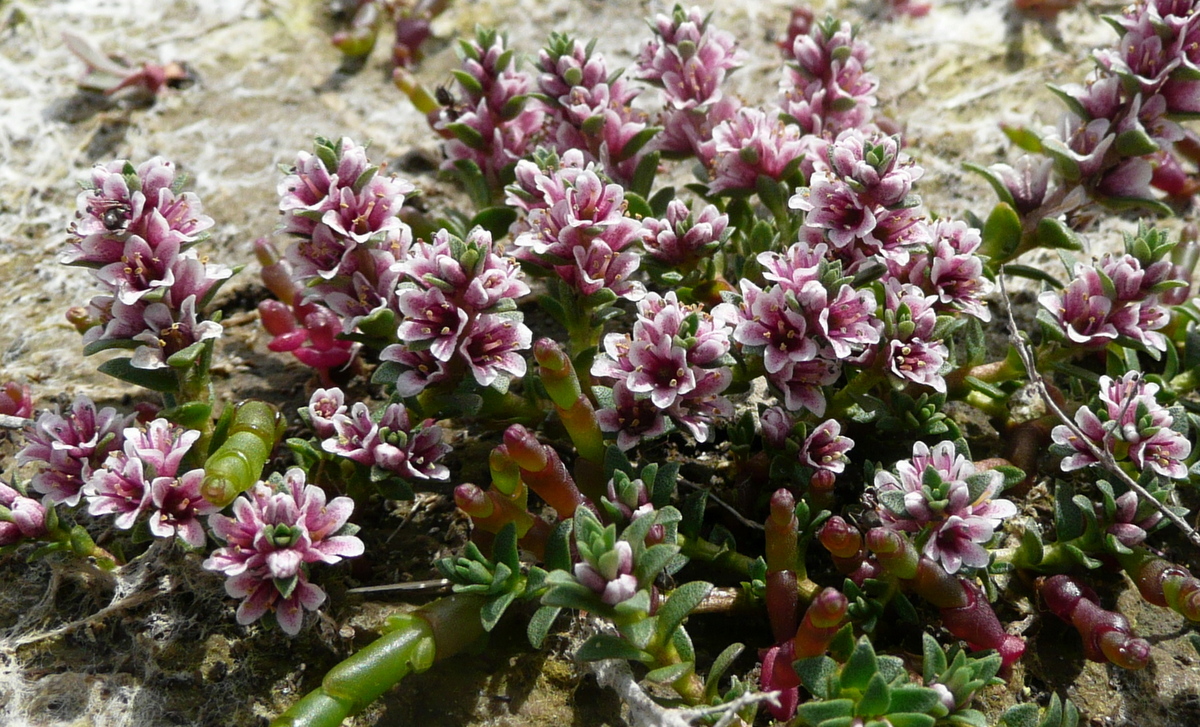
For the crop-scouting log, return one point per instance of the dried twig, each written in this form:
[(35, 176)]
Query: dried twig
[(8, 421), (615, 674), (1102, 455)]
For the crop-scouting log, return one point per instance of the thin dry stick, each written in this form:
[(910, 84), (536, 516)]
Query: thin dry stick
[(1102, 455)]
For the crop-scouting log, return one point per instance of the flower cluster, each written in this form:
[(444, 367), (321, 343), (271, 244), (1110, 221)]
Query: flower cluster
[(822, 451), (672, 366), (826, 88), (684, 237), (68, 447), (1116, 139), (144, 476), (495, 123), (1129, 424), (940, 496), (689, 60), (388, 441), (276, 530), (605, 563), (134, 228), (577, 225), (590, 107), (349, 237), (749, 144), (456, 305), (914, 352), (857, 200), (1118, 297), (21, 517), (805, 323)]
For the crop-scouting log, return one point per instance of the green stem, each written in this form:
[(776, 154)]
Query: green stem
[(844, 399), (718, 555), (411, 645)]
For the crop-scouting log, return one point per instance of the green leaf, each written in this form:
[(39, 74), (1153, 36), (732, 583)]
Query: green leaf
[(644, 175), (571, 595), (661, 200), (677, 607), (539, 625), (286, 586), (637, 206), (1021, 715), (908, 719), (187, 357), (1032, 273), (494, 608), (1068, 520), (668, 674), (719, 666), (861, 666), (106, 344), (1135, 143), (192, 415), (664, 484), (875, 700), (653, 560), (968, 718), (912, 698), (1023, 137), (693, 513), (504, 548), (814, 674), (496, 220), (1053, 234), (815, 713), (993, 179), (153, 379), (934, 662), (1001, 233), (607, 646)]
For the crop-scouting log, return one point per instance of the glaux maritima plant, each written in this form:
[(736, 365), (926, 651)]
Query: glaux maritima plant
[(800, 262)]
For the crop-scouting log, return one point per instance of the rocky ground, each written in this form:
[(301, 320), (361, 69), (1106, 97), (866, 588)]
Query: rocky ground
[(156, 643)]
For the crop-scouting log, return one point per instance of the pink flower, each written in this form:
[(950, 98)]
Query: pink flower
[(25, 518), (748, 145), (68, 447), (120, 202), (1129, 422), (276, 531), (769, 321), (684, 237), (911, 354), (630, 418), (176, 505), (491, 350), (323, 406), (939, 495), (147, 464), (609, 574), (825, 448)]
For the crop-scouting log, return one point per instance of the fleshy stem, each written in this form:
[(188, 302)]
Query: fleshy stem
[(821, 622), (966, 613), (575, 411), (781, 556), (412, 644), (544, 472), (1163, 583), (1107, 636), (1102, 456), (573, 407)]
